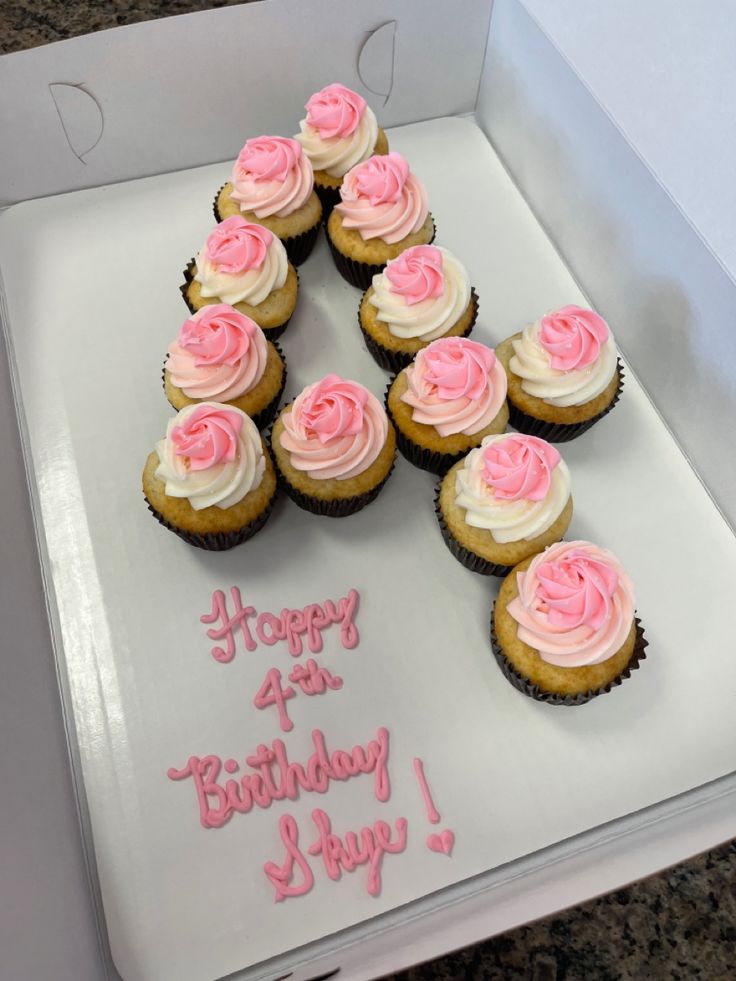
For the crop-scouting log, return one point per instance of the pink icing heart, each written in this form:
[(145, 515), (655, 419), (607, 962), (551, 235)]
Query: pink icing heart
[(573, 337), (442, 842), (335, 111)]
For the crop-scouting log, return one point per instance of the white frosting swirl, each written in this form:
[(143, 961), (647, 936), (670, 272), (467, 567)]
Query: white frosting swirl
[(430, 318), (508, 520), (250, 286), (222, 485), (531, 363), (338, 154)]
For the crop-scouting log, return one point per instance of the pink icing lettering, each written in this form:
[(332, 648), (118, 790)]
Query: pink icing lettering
[(276, 628), (417, 274), (272, 692), (231, 766), (335, 111), (208, 436), (519, 467), (433, 815), (375, 842), (281, 876), (237, 245), (573, 337), (314, 680), (275, 777), (290, 625)]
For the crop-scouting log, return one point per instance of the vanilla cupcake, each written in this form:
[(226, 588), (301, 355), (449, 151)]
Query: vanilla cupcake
[(340, 130), (334, 447), (563, 374), (244, 265), (382, 211), (447, 401), (420, 296), (220, 354), (272, 184), (210, 480), (563, 628), (506, 500)]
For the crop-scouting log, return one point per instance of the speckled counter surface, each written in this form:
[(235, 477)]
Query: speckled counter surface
[(680, 924)]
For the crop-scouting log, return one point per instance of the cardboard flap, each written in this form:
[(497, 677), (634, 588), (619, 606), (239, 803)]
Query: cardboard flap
[(185, 91)]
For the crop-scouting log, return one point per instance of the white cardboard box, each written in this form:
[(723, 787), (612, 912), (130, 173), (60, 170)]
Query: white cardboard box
[(505, 895)]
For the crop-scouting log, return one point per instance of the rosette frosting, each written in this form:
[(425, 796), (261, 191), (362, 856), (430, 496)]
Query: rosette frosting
[(212, 455), (241, 262), (272, 176), (566, 358), (455, 385), (340, 130), (422, 293), (381, 198), (219, 353), (334, 428), (575, 604), (514, 486)]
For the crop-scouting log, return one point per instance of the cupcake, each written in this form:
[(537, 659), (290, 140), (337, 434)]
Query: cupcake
[(211, 480), (446, 402), (245, 265), (272, 184), (382, 211), (505, 501), (423, 294), (334, 447), (563, 374), (221, 354), (563, 628), (340, 131)]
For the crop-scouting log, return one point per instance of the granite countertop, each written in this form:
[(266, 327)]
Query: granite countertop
[(679, 924)]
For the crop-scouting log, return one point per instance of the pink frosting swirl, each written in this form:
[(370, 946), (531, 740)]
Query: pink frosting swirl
[(272, 176), (455, 385), (335, 111), (417, 274), (381, 198), (519, 467), (573, 337), (219, 353), (335, 428), (208, 436), (237, 245), (575, 604)]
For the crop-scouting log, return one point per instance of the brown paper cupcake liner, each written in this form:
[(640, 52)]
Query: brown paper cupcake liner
[(216, 541), (338, 508), (360, 274), (298, 247), (264, 418), (397, 360), (272, 333), (526, 687), (557, 432), (329, 196), (432, 461), (476, 563)]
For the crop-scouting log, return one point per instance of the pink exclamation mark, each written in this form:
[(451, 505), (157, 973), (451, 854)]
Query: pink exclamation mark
[(444, 841)]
